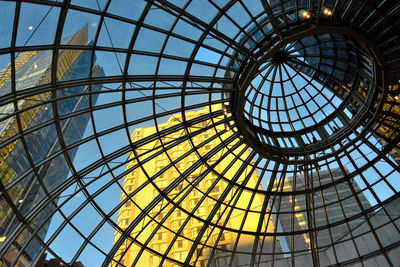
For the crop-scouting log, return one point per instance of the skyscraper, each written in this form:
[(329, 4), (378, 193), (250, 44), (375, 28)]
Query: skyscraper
[(327, 206), (33, 68), (389, 131), (169, 229)]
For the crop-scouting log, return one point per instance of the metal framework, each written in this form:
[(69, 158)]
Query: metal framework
[(310, 105)]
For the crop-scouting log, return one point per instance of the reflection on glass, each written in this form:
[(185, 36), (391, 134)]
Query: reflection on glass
[(32, 69)]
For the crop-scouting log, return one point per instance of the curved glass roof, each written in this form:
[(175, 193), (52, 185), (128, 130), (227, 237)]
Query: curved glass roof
[(199, 133), (285, 97)]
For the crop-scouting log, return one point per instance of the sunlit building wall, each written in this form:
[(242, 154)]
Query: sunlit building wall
[(33, 68), (165, 231)]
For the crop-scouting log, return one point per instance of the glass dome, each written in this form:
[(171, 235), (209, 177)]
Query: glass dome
[(199, 133)]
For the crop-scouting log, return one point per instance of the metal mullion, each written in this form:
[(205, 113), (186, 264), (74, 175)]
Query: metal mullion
[(259, 110), (223, 12), (382, 178), (367, 17), (263, 211), (217, 206), (187, 16), (314, 217), (193, 167), (17, 136), (252, 101), (284, 15), (269, 98), (381, 155), (253, 195), (284, 98), (154, 103), (124, 111), (155, 201), (290, 121), (272, 19), (123, 174), (160, 152), (259, 87), (222, 142), (59, 129), (281, 183), (317, 70), (253, 20), (362, 213), (209, 170), (246, 212), (333, 157), (161, 224), (29, 158), (293, 211), (196, 183), (335, 58), (113, 79), (304, 103), (184, 38), (15, 49), (309, 219), (295, 105), (326, 216), (346, 220), (183, 59), (268, 65), (142, 211), (206, 32), (235, 196), (45, 3)]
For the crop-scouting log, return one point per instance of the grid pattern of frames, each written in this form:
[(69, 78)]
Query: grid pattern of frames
[(118, 134)]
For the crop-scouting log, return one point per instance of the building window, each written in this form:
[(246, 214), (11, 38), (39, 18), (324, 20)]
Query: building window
[(201, 210), (161, 236), (179, 243), (223, 261), (154, 260), (195, 193), (222, 237), (190, 163), (177, 213), (129, 189), (179, 255), (193, 202), (176, 224), (210, 182), (126, 213), (124, 222), (199, 252), (178, 188), (215, 189)]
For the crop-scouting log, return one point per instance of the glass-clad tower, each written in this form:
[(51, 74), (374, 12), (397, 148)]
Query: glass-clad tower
[(33, 68), (320, 202)]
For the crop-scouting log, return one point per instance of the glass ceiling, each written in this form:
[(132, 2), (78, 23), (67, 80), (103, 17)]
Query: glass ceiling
[(200, 132)]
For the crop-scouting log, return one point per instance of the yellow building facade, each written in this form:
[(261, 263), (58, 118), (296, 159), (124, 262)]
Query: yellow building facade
[(170, 229)]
